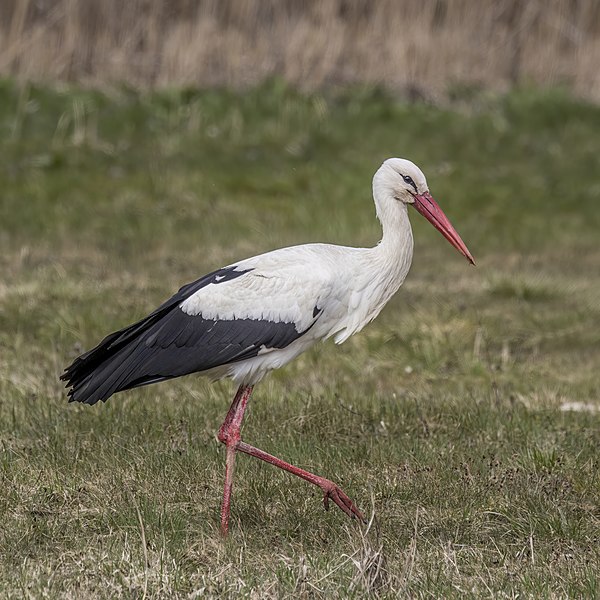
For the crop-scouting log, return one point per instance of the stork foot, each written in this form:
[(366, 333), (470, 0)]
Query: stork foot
[(333, 492)]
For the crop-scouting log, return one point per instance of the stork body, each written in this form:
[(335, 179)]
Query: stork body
[(257, 314)]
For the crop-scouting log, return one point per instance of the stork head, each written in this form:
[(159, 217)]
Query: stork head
[(401, 180)]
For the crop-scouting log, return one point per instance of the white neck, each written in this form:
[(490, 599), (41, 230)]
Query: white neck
[(395, 250), (392, 257), (383, 268)]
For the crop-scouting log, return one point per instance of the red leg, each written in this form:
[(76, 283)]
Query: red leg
[(330, 489), (229, 434)]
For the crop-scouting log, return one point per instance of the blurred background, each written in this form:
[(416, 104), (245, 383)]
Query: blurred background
[(421, 47), (145, 143)]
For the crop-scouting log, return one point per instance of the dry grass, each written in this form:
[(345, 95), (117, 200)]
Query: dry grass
[(422, 47)]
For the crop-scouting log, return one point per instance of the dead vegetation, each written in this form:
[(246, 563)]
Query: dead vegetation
[(420, 47)]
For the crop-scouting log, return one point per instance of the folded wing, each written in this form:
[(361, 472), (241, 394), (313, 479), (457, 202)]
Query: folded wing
[(227, 316)]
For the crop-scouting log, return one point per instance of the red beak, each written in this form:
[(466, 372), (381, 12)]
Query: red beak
[(430, 209)]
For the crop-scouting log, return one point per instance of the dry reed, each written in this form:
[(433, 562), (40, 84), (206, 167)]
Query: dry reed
[(422, 47)]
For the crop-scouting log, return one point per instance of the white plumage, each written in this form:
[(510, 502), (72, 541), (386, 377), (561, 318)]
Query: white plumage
[(347, 286), (258, 314)]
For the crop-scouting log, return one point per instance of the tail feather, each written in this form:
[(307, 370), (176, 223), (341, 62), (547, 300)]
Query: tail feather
[(105, 371), (128, 358)]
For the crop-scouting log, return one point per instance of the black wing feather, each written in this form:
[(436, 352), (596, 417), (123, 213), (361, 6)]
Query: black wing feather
[(169, 343)]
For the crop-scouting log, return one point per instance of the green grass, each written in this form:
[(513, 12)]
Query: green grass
[(451, 420)]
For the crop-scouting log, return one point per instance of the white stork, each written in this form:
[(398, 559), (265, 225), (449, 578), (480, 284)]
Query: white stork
[(258, 314)]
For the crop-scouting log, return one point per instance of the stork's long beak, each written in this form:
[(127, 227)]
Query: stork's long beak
[(430, 209)]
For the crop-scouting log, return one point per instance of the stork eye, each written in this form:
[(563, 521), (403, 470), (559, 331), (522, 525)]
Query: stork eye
[(409, 181)]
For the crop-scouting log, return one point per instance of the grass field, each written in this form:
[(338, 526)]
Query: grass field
[(465, 421)]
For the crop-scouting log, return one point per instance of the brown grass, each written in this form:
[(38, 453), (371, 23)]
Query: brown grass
[(419, 46)]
